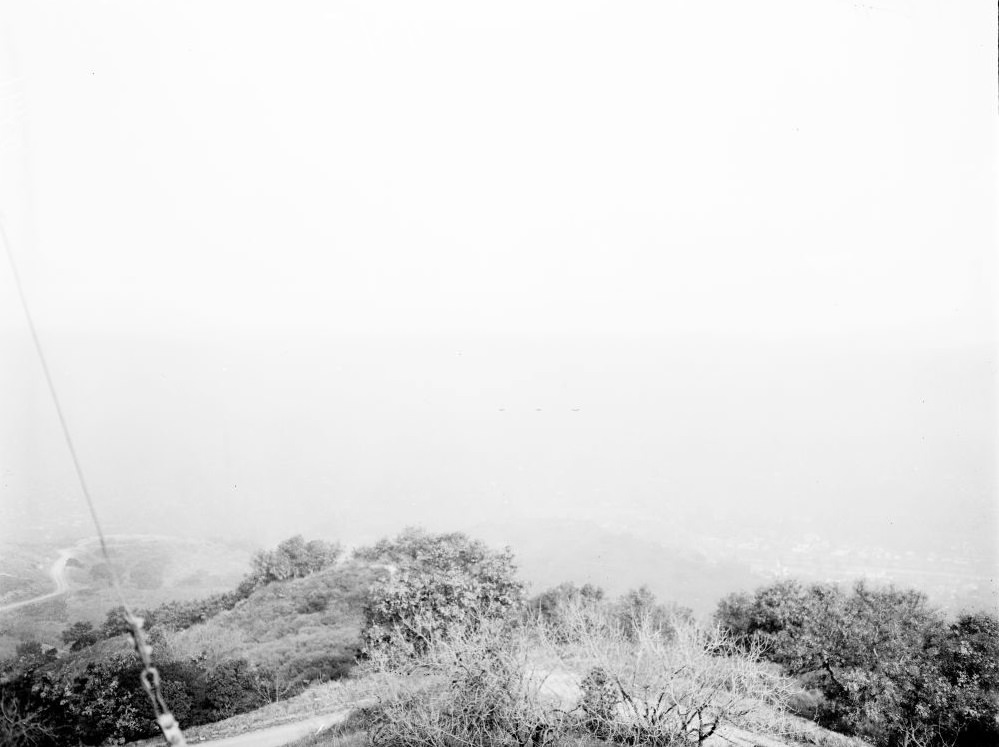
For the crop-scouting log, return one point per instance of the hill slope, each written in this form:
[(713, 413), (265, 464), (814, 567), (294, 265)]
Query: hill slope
[(587, 553)]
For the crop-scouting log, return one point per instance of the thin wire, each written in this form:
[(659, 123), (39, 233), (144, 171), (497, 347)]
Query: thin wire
[(55, 399), (150, 677)]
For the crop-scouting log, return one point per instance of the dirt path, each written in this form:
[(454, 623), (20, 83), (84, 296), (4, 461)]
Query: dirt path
[(276, 736), (58, 573), (58, 569)]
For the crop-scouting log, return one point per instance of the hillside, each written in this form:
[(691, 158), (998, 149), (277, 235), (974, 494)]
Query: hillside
[(299, 630), (152, 570), (448, 634), (617, 562)]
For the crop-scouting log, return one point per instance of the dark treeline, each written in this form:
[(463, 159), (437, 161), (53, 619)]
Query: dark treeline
[(91, 694), (878, 663)]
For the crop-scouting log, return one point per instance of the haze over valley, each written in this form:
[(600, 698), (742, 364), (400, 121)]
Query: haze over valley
[(692, 305)]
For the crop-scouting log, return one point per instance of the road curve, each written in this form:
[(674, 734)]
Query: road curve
[(58, 569), (58, 573)]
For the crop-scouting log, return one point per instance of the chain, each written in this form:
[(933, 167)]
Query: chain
[(150, 679), (150, 676)]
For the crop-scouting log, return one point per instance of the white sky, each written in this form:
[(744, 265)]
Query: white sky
[(781, 173), (761, 168)]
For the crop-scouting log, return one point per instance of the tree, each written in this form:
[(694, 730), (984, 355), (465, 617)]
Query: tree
[(639, 606), (885, 663), (30, 655), (969, 660), (80, 635), (446, 583), (20, 727), (104, 701), (320, 555), (546, 605), (115, 623), (293, 558)]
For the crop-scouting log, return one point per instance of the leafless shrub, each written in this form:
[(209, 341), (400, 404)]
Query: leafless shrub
[(644, 687), (525, 686), (479, 688), (20, 728)]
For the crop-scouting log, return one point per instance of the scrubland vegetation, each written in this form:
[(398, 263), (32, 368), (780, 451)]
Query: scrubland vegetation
[(436, 639), (152, 571)]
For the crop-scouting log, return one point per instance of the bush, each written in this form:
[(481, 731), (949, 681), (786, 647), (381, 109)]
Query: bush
[(447, 583), (514, 684), (294, 558), (639, 607), (80, 635), (654, 685), (482, 692), (546, 606), (115, 623), (182, 615), (881, 663), (104, 701), (314, 601), (18, 727)]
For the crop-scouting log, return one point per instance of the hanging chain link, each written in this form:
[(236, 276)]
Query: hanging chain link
[(150, 677)]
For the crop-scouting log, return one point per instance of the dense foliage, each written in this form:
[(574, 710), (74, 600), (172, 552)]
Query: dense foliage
[(600, 679), (632, 610), (293, 558), (90, 694), (880, 663), (440, 583), (101, 699)]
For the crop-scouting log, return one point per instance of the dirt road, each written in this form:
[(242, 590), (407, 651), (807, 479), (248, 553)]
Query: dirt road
[(58, 573), (58, 569), (277, 736)]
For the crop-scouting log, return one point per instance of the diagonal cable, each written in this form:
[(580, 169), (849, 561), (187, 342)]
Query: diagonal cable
[(150, 677)]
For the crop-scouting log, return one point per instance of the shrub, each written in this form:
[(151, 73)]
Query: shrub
[(447, 583), (294, 558), (115, 623), (80, 635), (182, 615), (654, 685), (314, 601), (104, 701), (547, 605), (639, 607), (481, 690), (505, 684), (881, 663), (20, 727), (230, 688)]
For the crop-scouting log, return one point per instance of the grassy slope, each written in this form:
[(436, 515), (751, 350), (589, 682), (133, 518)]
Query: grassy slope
[(279, 624), (276, 623), (286, 621), (183, 569)]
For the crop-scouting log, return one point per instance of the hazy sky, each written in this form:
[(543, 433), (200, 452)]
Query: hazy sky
[(305, 264)]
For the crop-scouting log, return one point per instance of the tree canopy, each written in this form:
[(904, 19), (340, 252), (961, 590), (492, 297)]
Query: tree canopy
[(439, 583), (883, 662)]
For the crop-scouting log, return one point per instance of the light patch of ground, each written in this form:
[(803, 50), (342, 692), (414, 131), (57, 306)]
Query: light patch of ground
[(318, 700)]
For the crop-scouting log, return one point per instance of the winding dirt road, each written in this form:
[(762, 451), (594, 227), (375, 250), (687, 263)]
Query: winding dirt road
[(58, 569), (58, 573)]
